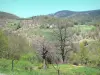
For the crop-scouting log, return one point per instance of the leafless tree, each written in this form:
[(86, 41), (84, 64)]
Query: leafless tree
[(43, 48), (62, 37)]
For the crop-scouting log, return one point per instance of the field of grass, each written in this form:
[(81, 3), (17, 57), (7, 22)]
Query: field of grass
[(65, 69), (84, 27), (46, 33)]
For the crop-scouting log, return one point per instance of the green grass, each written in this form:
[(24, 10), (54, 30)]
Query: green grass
[(65, 69), (32, 32), (84, 27), (47, 33)]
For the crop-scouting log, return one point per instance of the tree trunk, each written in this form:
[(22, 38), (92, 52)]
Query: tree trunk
[(44, 64), (12, 64), (63, 57), (58, 72)]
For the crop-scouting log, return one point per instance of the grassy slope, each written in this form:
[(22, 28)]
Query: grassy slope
[(84, 27), (65, 69)]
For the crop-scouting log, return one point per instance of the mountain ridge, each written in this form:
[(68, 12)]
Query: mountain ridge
[(81, 17), (6, 15), (66, 13), (61, 13)]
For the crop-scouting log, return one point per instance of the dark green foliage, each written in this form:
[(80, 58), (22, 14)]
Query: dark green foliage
[(44, 26), (88, 55), (13, 25), (18, 26)]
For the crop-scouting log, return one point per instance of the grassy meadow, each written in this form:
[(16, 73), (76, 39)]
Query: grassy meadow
[(65, 69)]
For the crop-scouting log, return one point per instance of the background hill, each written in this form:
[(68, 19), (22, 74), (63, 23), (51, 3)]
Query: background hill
[(63, 13), (67, 13), (81, 18), (5, 15)]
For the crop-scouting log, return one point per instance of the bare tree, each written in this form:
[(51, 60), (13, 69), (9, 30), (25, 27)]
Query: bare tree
[(62, 37), (43, 48)]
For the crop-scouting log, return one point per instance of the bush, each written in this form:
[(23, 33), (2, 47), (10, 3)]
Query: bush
[(44, 26), (3, 44), (4, 63), (18, 26)]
